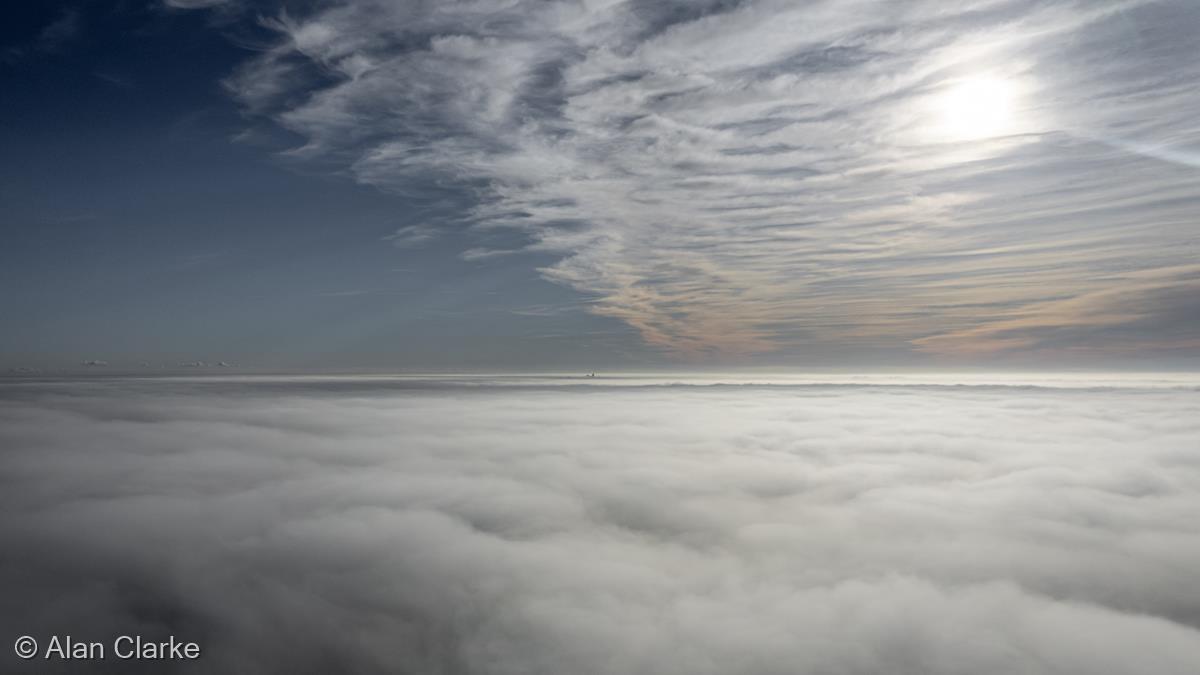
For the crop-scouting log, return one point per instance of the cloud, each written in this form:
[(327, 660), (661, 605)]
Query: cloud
[(744, 176), (64, 29), (1150, 303), (354, 292), (412, 236), (195, 4), (547, 309), (480, 253), (119, 80), (374, 525)]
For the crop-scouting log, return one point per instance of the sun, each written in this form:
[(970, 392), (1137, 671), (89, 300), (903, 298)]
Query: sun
[(976, 108)]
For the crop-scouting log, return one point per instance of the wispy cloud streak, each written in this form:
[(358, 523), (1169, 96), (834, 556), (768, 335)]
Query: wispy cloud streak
[(739, 176)]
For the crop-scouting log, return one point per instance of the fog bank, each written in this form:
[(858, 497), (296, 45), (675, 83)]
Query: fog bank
[(367, 526)]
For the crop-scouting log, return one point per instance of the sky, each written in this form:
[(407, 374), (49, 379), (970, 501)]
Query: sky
[(599, 184)]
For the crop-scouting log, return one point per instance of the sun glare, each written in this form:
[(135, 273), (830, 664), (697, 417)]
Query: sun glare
[(976, 108)]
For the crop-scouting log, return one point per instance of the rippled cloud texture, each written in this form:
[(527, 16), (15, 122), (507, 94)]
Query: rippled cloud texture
[(366, 526), (966, 178)]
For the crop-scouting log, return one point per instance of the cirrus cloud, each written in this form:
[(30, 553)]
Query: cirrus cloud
[(739, 176)]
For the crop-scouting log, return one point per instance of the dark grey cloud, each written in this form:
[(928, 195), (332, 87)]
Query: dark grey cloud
[(196, 4), (477, 526)]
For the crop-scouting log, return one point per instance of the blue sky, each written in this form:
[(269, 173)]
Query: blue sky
[(485, 185)]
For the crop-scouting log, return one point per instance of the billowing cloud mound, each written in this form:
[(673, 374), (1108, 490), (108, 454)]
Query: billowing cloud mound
[(737, 175), (375, 526)]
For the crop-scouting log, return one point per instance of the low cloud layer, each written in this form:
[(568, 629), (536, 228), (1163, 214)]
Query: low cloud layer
[(966, 178), (363, 526)]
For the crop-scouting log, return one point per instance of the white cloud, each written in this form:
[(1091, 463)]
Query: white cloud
[(480, 253), (411, 236), (739, 176), (404, 526)]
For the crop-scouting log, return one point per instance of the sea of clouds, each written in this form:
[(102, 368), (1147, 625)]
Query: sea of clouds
[(399, 526)]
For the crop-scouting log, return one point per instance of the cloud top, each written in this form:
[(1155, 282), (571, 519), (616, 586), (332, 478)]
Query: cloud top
[(366, 526)]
